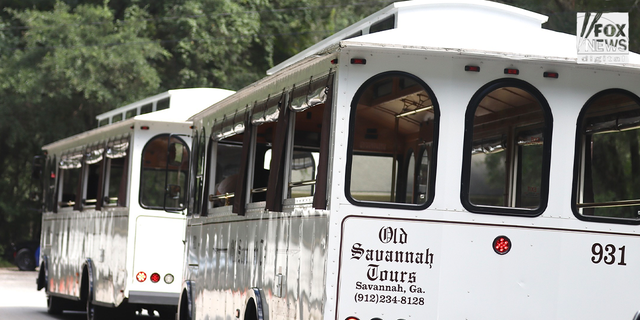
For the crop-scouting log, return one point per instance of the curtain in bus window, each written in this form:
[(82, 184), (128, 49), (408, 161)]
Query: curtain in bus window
[(394, 113), (610, 165), (506, 166), (165, 162)]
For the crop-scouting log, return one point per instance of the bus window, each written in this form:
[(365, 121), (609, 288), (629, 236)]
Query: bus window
[(392, 114), (507, 149), (164, 163), (411, 177), (608, 181), (228, 159), (70, 171), (91, 182), (264, 119), (116, 173), (308, 106)]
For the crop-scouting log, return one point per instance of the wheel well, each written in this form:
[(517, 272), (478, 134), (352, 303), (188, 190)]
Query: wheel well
[(250, 313), (84, 285), (183, 308), (42, 279)]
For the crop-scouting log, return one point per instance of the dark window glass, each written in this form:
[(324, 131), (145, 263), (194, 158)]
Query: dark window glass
[(262, 160), (103, 122), (69, 182), (228, 159), (116, 118), (509, 133), (162, 104), (393, 114), (146, 108), (382, 25), (165, 163), (609, 158), (131, 113)]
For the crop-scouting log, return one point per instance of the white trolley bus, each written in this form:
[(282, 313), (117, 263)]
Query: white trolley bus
[(112, 238), (443, 160)]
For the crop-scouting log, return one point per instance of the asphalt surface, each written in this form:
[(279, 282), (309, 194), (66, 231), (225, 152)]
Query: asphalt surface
[(19, 299)]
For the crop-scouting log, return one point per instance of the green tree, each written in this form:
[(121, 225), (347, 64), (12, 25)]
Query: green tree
[(60, 71)]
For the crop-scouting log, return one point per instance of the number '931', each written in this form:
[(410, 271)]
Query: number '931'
[(608, 254)]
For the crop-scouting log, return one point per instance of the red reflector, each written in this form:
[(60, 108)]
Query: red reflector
[(154, 277), (550, 75), (472, 68), (358, 61), (334, 61), (511, 71), (501, 244), (53, 175), (351, 318), (144, 127), (141, 276)]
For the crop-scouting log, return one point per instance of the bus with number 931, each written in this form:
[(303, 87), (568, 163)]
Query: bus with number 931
[(436, 160)]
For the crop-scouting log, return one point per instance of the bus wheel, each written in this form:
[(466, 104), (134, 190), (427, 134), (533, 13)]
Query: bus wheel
[(54, 305)]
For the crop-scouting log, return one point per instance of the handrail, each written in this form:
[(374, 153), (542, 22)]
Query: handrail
[(608, 204)]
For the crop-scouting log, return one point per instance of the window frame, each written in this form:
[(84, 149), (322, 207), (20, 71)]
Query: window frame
[(547, 131), (577, 169), (164, 207), (349, 159)]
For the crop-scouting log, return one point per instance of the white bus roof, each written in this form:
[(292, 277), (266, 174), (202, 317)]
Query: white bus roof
[(461, 26), (183, 103)]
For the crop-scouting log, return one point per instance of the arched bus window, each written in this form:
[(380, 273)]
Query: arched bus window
[(507, 150), (607, 179), (308, 105), (91, 177), (392, 113), (116, 173), (228, 138), (69, 179), (165, 162)]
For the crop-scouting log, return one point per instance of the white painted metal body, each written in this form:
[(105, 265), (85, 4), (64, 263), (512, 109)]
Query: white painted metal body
[(105, 248), (305, 263)]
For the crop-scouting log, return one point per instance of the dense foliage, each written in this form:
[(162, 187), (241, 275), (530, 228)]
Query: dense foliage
[(62, 62)]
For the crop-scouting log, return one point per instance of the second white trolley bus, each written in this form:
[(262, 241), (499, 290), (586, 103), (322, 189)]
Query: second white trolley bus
[(112, 236), (437, 160)]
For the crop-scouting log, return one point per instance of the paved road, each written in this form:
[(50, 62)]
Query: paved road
[(19, 299)]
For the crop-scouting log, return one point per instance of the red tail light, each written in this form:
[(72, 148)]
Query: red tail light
[(141, 276), (155, 277)]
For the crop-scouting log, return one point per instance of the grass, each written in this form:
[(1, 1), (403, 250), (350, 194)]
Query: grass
[(5, 264)]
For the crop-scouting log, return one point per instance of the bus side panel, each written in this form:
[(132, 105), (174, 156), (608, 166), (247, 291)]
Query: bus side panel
[(283, 255), (109, 255), (396, 268)]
